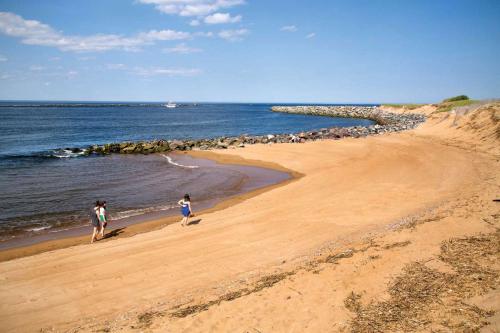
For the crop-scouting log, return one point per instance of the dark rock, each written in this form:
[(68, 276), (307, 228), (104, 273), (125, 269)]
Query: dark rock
[(176, 145), (128, 149)]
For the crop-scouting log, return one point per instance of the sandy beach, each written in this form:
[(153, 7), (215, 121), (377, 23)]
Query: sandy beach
[(321, 252)]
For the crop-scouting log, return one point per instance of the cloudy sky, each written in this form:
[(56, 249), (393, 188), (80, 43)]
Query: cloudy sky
[(249, 50)]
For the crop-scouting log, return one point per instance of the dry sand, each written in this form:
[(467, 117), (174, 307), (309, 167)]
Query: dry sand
[(287, 259)]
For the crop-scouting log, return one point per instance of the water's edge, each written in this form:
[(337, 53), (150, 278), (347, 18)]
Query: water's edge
[(22, 247), (380, 122), (385, 122)]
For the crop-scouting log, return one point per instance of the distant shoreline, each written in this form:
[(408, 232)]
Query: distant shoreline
[(384, 122)]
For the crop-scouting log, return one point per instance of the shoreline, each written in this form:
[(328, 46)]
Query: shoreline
[(385, 122), (241, 267), (157, 223)]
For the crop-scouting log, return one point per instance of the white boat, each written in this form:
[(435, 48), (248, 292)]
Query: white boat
[(170, 105)]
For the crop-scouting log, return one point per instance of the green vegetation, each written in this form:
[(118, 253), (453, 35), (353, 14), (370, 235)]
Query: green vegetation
[(456, 98), (448, 106), (406, 106)]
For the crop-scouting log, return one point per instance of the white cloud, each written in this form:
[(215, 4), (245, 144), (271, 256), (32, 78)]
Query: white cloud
[(55, 59), (219, 18), (192, 7), (86, 58), (36, 33), (36, 68), (233, 35), (171, 72), (194, 23), (5, 76), (208, 34), (71, 74), (182, 49), (289, 28), (2, 58), (164, 35), (115, 66), (311, 35), (154, 71)]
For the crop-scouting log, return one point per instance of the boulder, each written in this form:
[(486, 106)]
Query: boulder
[(128, 149), (148, 148), (222, 145), (176, 145)]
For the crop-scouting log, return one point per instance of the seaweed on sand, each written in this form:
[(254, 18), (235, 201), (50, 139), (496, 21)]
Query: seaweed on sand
[(265, 282), (397, 244), (146, 319), (336, 257), (425, 298)]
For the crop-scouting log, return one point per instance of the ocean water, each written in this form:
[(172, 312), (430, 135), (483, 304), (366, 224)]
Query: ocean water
[(43, 189)]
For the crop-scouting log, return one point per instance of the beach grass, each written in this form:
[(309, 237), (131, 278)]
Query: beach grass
[(405, 106), (447, 106), (451, 103), (457, 98)]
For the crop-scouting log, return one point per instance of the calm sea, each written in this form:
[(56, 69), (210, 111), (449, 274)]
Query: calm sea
[(44, 189)]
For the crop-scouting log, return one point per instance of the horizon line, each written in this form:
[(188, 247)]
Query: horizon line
[(202, 101)]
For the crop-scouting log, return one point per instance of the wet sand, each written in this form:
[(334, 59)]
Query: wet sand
[(284, 259), (257, 178)]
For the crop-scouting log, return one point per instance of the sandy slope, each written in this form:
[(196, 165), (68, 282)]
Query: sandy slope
[(351, 189)]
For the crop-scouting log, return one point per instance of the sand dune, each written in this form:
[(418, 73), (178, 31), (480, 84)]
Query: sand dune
[(353, 193)]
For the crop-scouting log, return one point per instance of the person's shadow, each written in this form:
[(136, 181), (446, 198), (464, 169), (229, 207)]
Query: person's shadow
[(113, 233), (194, 222)]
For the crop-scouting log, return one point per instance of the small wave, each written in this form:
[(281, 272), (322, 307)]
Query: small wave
[(134, 212), (66, 229), (65, 153), (47, 154), (169, 159), (36, 229)]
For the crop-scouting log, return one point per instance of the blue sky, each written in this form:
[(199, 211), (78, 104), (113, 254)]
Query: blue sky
[(355, 51)]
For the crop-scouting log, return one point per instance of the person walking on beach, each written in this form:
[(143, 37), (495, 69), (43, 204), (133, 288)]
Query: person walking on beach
[(94, 220), (101, 214), (186, 211), (105, 216)]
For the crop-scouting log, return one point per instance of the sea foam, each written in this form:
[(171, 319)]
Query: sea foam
[(169, 159)]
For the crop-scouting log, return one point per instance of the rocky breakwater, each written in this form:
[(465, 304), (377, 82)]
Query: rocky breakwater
[(384, 123)]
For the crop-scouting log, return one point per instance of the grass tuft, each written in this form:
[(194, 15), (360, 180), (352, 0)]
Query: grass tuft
[(456, 98), (448, 106), (404, 106)]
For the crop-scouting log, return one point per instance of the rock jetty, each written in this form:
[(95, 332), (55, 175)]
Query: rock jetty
[(385, 122)]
